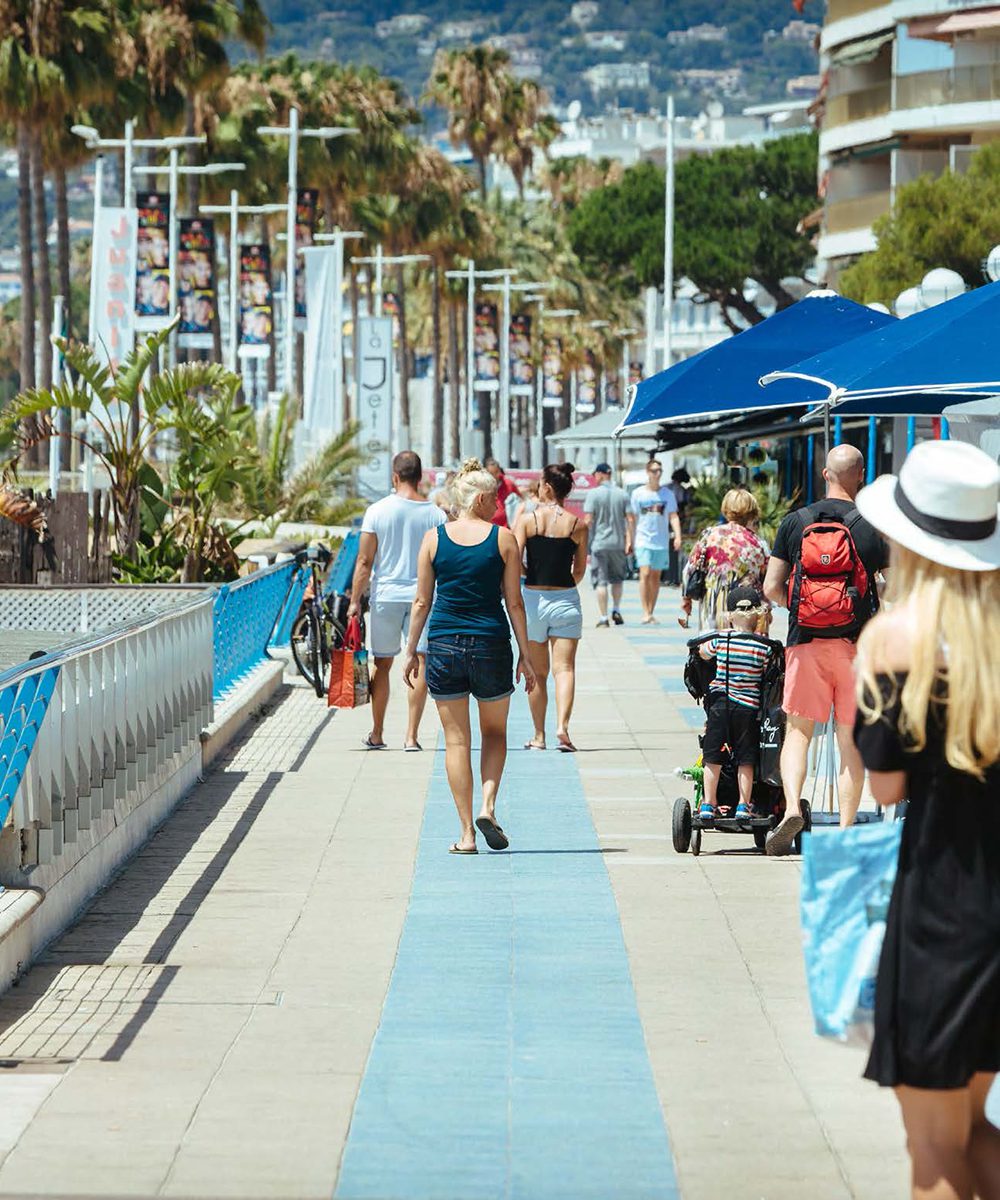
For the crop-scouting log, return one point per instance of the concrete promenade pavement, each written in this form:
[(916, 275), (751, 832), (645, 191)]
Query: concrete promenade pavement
[(294, 991)]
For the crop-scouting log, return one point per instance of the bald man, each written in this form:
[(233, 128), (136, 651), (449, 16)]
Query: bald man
[(819, 670)]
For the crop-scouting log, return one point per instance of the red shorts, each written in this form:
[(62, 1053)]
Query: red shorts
[(819, 675)]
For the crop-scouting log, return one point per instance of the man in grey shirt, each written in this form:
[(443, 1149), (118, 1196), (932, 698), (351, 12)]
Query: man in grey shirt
[(611, 522)]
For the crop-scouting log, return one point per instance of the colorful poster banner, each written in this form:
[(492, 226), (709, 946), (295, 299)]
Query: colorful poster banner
[(323, 357), (635, 372), (522, 370), (256, 310), (612, 390), (152, 261), (552, 373), (196, 282), (487, 349), (374, 373), (586, 386), (112, 288), (391, 307), (305, 233)]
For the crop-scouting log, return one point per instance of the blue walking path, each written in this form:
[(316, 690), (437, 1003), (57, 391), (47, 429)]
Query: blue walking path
[(510, 1062)]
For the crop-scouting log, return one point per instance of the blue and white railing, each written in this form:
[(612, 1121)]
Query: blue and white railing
[(96, 726), (252, 616)]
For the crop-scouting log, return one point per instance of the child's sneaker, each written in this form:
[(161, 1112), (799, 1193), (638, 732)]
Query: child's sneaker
[(743, 812), (706, 813)]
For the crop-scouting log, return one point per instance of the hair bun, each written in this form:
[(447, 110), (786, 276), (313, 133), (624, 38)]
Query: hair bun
[(566, 468), (470, 465)]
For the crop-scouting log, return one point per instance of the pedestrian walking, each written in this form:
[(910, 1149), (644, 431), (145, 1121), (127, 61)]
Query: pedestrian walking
[(928, 730), (392, 530), (476, 568), (657, 528), (680, 485), (528, 502), (726, 555), (611, 523), (823, 569), (553, 545), (505, 489)]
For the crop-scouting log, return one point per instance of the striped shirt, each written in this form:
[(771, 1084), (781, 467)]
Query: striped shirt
[(740, 663)]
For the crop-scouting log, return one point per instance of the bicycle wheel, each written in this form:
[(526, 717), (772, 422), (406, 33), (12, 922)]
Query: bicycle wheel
[(316, 666), (300, 645)]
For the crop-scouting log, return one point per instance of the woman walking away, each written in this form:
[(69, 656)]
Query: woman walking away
[(553, 544), (928, 730), (475, 565), (731, 554)]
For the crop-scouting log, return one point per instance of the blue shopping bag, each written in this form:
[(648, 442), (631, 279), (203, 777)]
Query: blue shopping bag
[(847, 878)]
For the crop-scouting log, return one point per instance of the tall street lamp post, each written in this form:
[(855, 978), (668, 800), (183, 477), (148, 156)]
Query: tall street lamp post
[(625, 334), (293, 132), (470, 275), (234, 210), (668, 237)]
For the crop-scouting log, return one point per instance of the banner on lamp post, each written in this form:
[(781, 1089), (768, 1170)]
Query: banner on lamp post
[(586, 388), (552, 373), (374, 379), (487, 349), (323, 344), (634, 372), (305, 232), (256, 309), (522, 370), (196, 282), (113, 288), (152, 261)]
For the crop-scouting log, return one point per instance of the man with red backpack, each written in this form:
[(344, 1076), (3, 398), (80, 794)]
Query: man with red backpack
[(823, 569)]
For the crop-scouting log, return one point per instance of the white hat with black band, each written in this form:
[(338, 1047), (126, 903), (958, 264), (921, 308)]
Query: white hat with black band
[(944, 505)]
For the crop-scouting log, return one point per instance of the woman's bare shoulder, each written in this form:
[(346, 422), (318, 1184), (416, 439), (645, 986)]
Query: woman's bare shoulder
[(887, 645)]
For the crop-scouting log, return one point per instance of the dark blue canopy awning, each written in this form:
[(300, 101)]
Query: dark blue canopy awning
[(937, 357), (724, 378)]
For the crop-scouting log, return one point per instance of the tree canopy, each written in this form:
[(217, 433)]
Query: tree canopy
[(756, 195), (948, 221)]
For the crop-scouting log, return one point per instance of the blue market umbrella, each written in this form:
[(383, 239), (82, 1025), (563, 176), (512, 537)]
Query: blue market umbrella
[(723, 380), (934, 359)]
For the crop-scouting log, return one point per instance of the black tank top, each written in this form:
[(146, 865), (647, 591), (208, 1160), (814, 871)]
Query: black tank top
[(549, 560)]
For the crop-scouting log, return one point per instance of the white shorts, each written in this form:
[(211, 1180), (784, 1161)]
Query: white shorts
[(389, 627), (553, 613)]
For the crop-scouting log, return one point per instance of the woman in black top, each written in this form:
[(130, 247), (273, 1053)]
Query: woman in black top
[(928, 730), (553, 543)]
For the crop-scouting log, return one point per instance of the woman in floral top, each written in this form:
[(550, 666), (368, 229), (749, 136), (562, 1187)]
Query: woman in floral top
[(729, 553)]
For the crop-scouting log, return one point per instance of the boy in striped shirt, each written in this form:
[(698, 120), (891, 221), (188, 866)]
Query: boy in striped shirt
[(733, 714)]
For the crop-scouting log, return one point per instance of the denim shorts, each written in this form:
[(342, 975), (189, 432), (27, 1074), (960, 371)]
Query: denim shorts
[(552, 613), (462, 664)]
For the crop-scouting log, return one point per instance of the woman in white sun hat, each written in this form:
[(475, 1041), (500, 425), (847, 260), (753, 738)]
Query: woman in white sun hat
[(928, 730)]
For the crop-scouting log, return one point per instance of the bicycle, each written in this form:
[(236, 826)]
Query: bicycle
[(321, 624)]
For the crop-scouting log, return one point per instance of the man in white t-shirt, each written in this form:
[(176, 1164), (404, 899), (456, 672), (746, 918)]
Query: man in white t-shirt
[(656, 519), (391, 533)]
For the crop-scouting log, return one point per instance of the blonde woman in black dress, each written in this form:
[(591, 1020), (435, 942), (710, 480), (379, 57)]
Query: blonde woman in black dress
[(928, 730)]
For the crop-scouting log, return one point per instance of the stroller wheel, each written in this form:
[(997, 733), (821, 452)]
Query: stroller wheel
[(681, 824), (696, 842), (760, 837)]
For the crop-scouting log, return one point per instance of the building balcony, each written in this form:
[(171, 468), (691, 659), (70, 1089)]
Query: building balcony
[(857, 213), (958, 85), (860, 105), (838, 10)]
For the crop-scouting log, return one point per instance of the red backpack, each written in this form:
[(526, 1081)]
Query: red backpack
[(829, 593)]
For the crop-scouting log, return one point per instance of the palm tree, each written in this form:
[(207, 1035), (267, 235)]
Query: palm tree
[(473, 85), (527, 129)]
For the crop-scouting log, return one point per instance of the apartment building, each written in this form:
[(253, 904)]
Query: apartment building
[(909, 87)]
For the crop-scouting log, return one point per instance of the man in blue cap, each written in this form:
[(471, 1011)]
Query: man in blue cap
[(611, 522)]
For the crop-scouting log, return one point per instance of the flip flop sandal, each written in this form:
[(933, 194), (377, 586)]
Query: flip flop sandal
[(412, 749), (370, 745), (455, 848), (495, 837), (566, 747), (781, 839), (533, 746)]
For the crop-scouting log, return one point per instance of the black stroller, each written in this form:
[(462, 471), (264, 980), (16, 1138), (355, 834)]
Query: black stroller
[(768, 798)]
